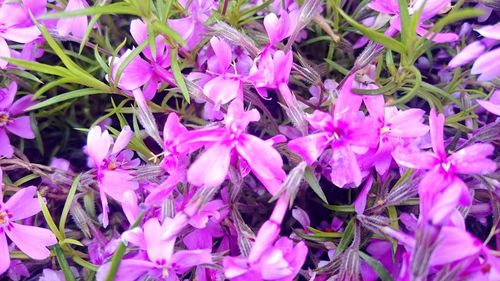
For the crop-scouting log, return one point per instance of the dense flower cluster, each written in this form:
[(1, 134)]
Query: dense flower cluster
[(302, 140)]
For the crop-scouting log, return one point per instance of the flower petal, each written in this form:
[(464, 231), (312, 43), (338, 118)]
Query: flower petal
[(472, 159), (211, 168), (20, 105), (32, 240), (6, 149), (309, 147), (21, 126), (23, 204), (98, 144), (115, 183), (4, 254)]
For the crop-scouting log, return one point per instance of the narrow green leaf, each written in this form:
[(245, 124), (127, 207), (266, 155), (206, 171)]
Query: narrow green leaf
[(314, 184), (377, 267), (64, 97), (341, 208), (40, 67), (63, 264), (86, 264), (323, 234), (48, 218), (347, 237), (378, 37), (113, 9), (25, 179), (71, 241), (26, 75), (89, 29), (53, 84), (67, 204), (179, 78), (404, 16)]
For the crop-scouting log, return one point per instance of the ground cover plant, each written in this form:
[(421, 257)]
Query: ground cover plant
[(249, 140)]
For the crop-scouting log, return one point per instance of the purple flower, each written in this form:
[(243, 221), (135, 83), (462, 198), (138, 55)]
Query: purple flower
[(159, 262), (493, 105), (111, 164), (347, 133), (441, 190), (31, 240), (224, 144), (10, 121)]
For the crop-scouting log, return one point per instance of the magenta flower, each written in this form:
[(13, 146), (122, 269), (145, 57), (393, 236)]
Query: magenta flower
[(10, 121), (14, 28), (31, 240), (159, 261), (441, 190), (223, 145), (111, 164), (431, 9), (493, 105), (226, 85), (74, 25), (140, 72), (347, 133)]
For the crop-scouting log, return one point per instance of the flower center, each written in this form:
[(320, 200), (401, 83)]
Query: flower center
[(4, 118), (446, 166), (4, 218), (385, 130)]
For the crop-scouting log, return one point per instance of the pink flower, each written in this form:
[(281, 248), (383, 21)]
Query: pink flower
[(31, 240), (493, 105), (74, 25), (10, 121), (13, 19), (441, 190), (140, 72), (160, 261), (111, 162), (224, 144), (347, 132)]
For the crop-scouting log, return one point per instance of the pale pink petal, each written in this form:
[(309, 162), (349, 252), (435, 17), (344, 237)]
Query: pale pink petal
[(98, 144), (129, 206), (264, 160), (21, 126), (6, 150), (20, 105), (491, 107), (472, 160), (360, 202), (7, 96), (21, 34), (436, 123), (115, 183), (222, 90), (490, 31), (105, 208), (4, 254), (348, 101), (157, 248), (74, 25), (345, 168), (223, 52), (4, 52), (407, 124), (122, 140), (487, 65), (321, 120), (211, 168), (415, 160), (468, 54), (309, 147), (31, 240), (129, 270), (137, 73), (454, 244), (186, 259), (23, 204), (139, 31)]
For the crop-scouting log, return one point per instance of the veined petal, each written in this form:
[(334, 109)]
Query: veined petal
[(23, 204), (345, 167), (415, 160), (98, 144), (31, 240), (407, 124), (157, 248), (472, 159), (211, 168), (309, 147)]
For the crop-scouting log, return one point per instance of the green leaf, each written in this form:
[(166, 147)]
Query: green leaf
[(40, 67), (53, 84), (347, 237), (377, 267), (86, 264), (63, 264), (67, 204), (48, 218), (341, 208), (114, 9), (404, 16), (179, 78), (323, 234), (25, 179), (89, 29), (71, 241), (64, 97), (378, 37), (314, 184)]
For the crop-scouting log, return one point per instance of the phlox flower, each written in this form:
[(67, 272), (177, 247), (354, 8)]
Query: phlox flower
[(493, 105), (73, 25), (140, 72), (441, 189), (10, 121), (429, 10), (348, 132), (31, 240), (230, 144), (111, 162), (159, 261)]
